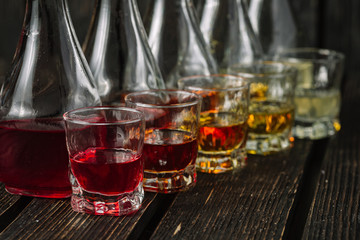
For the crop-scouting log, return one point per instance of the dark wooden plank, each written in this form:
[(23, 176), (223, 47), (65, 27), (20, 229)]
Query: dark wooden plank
[(54, 219), (254, 202), (10, 207), (335, 211), (6, 200)]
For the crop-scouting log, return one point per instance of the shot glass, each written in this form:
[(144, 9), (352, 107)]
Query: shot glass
[(106, 168), (170, 148), (223, 127), (271, 110), (317, 94)]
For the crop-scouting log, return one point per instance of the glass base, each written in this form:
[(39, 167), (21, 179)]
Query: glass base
[(170, 182), (211, 162), (43, 193), (268, 143), (315, 130), (98, 204)]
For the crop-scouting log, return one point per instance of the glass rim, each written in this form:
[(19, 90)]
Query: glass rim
[(175, 105), (288, 69), (67, 116), (244, 82), (338, 56)]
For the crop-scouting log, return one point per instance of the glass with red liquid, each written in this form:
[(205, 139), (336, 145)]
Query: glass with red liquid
[(105, 145), (223, 127), (170, 148)]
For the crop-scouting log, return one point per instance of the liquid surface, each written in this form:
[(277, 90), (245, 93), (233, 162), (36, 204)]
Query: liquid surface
[(168, 150), (313, 105), (107, 171), (270, 117), (220, 131)]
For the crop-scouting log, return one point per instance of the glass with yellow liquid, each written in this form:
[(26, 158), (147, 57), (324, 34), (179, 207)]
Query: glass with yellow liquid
[(272, 108), (317, 94)]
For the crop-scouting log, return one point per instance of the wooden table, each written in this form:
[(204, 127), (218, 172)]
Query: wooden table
[(309, 192)]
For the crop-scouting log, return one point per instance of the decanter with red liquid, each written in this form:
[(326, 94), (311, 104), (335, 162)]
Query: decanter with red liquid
[(118, 51), (49, 76)]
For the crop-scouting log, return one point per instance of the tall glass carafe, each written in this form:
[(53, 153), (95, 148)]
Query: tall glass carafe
[(117, 49), (176, 40), (228, 31), (49, 76), (275, 25)]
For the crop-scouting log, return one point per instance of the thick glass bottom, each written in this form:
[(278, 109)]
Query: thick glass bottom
[(264, 144), (170, 181), (216, 162), (98, 204), (39, 192), (316, 129)]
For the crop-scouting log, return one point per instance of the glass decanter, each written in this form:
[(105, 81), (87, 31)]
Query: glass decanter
[(117, 49), (49, 76), (274, 24), (227, 30), (176, 40)]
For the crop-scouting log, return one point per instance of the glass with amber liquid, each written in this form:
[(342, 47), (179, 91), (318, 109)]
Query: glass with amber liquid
[(223, 126), (271, 110)]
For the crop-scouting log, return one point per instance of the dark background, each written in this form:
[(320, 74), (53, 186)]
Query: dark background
[(333, 24)]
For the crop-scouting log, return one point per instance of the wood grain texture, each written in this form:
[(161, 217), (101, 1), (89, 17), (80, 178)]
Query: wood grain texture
[(253, 203), (335, 211), (6, 200), (55, 219), (10, 207)]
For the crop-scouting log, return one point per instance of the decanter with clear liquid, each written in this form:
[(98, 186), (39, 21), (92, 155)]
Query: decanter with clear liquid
[(117, 49), (176, 40), (49, 76)]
